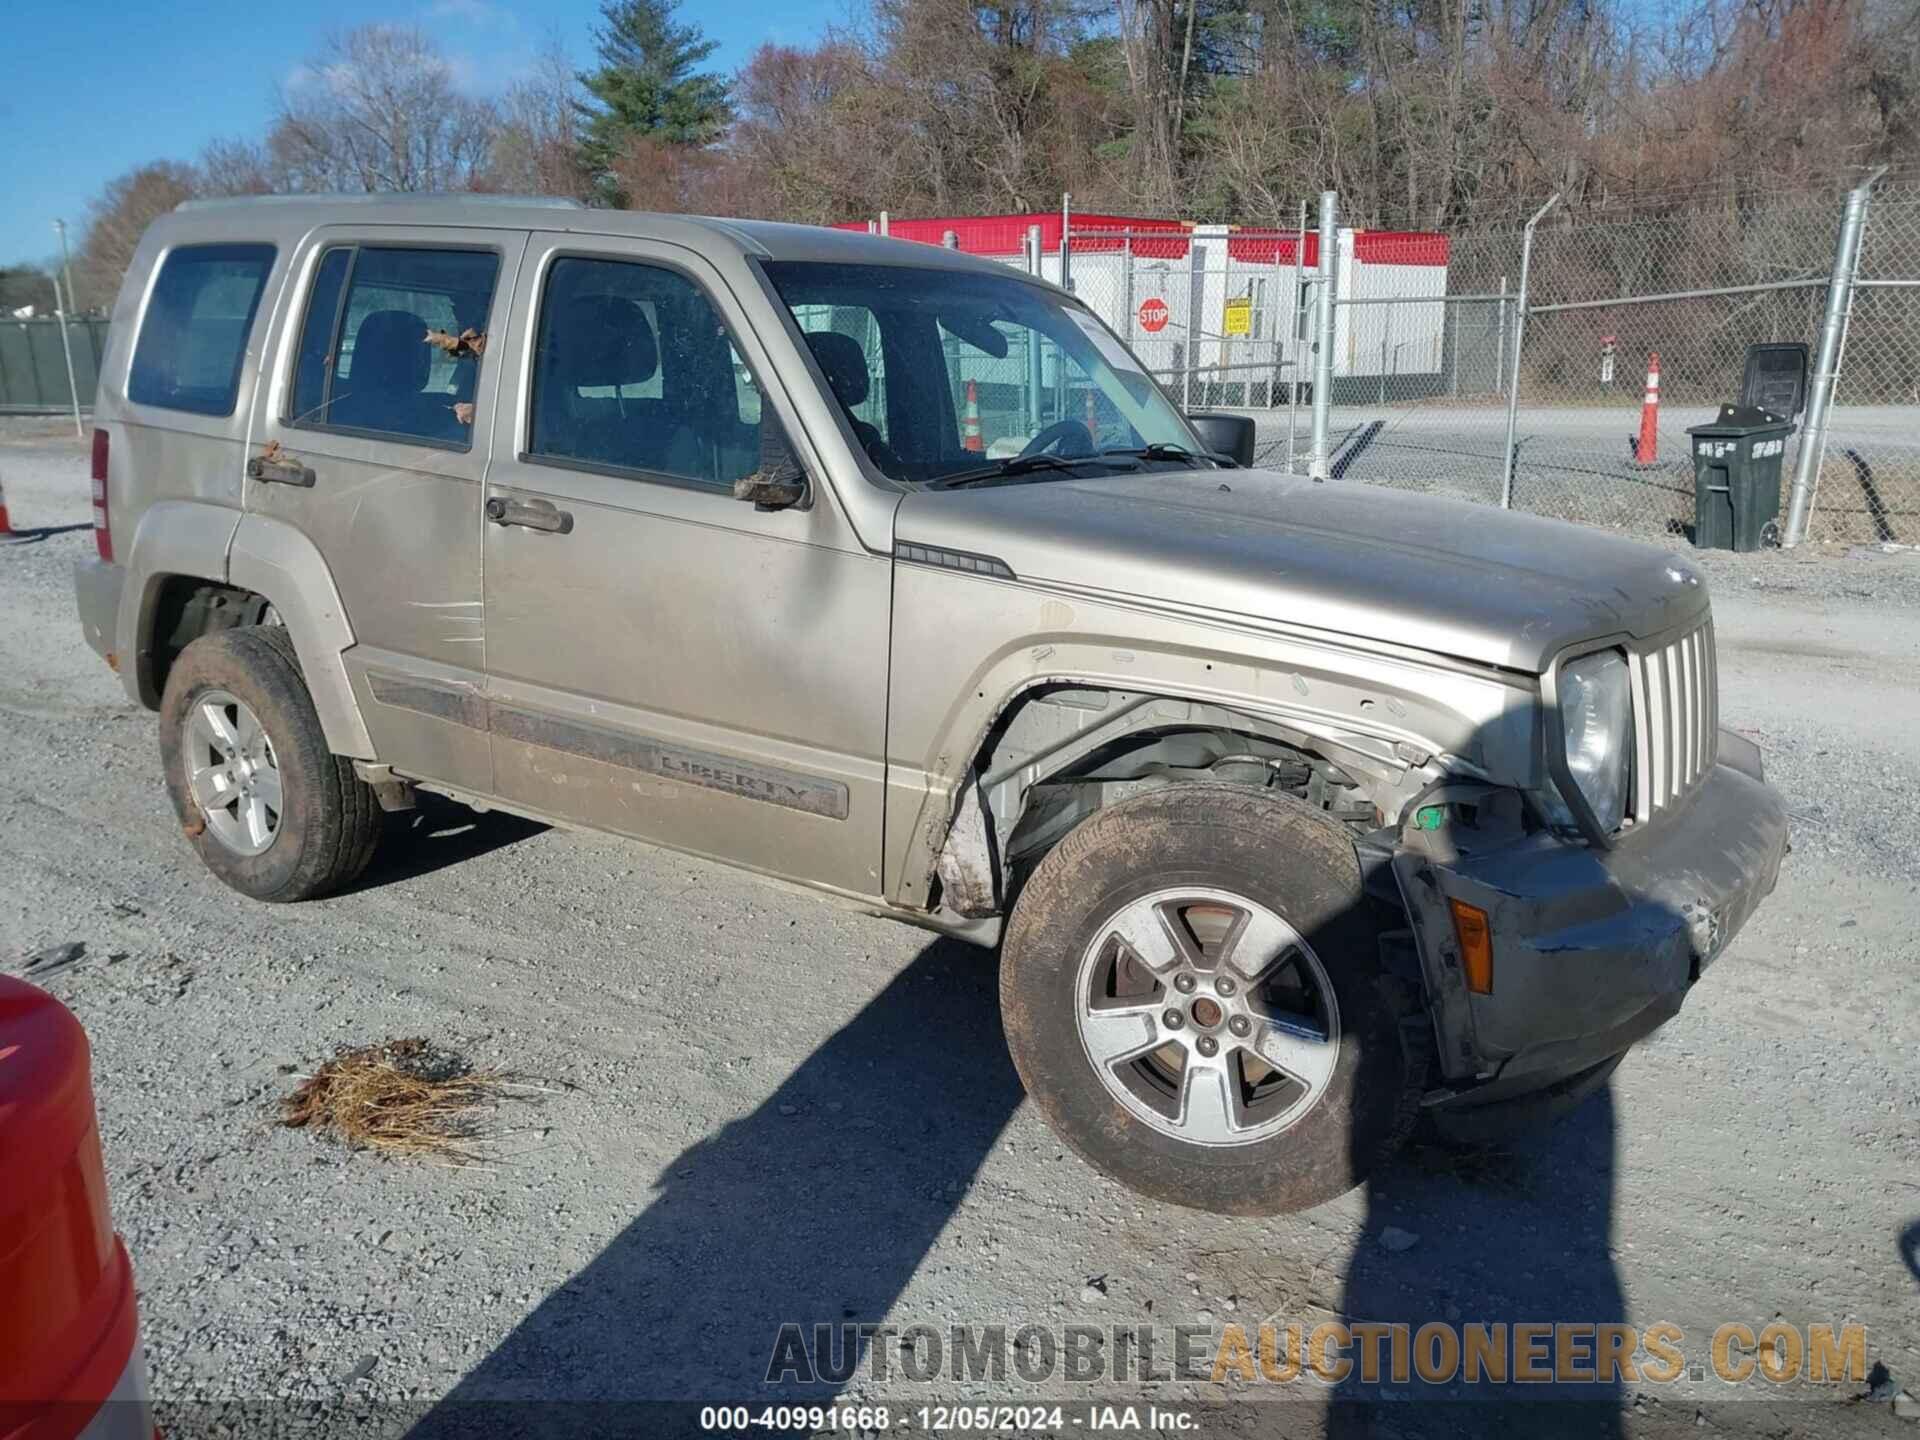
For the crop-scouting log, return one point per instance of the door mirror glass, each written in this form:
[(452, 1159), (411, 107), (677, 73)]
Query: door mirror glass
[(1226, 436), (780, 482)]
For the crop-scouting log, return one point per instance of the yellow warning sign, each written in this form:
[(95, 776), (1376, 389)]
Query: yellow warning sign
[(1239, 318)]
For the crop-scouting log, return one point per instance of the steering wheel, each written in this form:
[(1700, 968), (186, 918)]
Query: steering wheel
[(1070, 436)]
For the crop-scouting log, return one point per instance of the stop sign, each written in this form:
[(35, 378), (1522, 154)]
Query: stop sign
[(1153, 314)]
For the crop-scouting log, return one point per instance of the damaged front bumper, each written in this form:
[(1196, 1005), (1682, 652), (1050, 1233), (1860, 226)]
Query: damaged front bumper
[(1592, 949)]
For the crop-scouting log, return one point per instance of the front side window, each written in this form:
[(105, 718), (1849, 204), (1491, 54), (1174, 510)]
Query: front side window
[(633, 370), (940, 372), (393, 342), (193, 338)]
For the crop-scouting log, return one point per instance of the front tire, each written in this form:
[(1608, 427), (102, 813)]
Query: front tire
[(271, 811), (1192, 993)]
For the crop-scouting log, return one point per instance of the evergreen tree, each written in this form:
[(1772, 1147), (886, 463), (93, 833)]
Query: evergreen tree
[(648, 86)]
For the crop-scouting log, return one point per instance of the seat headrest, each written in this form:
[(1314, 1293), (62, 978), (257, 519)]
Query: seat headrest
[(390, 354), (595, 340), (844, 362)]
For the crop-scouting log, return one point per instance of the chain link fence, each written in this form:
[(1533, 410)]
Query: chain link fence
[(1480, 366), (1683, 295), (1868, 484)]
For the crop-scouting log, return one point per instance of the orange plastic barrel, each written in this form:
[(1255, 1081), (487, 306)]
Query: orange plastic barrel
[(70, 1363)]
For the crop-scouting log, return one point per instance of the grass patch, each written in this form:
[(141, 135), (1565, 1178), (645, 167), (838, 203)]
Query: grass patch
[(400, 1097)]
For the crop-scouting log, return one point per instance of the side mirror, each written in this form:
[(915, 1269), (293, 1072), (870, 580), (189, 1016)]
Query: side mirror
[(1228, 437), (768, 493), (779, 483)]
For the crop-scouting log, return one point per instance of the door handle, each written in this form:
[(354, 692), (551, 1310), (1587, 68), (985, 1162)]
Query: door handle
[(279, 470), (530, 515)]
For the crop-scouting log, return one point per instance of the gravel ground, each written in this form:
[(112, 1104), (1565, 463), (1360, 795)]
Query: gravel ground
[(765, 1108)]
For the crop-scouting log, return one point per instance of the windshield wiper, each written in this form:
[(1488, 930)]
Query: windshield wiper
[(1017, 465), (1158, 450)]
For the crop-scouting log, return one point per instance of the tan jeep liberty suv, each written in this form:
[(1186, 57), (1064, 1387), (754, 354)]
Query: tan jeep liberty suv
[(1296, 810)]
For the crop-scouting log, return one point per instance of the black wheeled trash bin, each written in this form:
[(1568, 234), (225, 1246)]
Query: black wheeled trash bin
[(1736, 478)]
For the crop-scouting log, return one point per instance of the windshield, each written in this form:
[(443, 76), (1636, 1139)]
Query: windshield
[(947, 374)]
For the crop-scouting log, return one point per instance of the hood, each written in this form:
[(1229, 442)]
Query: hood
[(1441, 575)]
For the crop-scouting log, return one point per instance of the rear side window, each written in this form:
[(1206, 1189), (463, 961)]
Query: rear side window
[(193, 338), (393, 342), (633, 370)]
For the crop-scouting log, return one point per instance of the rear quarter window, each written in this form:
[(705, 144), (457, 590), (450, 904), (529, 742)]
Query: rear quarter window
[(193, 338)]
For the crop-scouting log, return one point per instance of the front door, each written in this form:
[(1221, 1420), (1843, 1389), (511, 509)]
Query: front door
[(664, 660)]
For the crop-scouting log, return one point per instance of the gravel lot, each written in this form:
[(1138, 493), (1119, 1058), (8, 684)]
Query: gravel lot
[(767, 1108)]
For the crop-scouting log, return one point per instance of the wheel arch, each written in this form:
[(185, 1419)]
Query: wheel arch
[(198, 568), (179, 545), (273, 559), (1056, 730)]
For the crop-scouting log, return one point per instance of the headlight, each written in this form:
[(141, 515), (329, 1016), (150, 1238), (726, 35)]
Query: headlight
[(1596, 716)]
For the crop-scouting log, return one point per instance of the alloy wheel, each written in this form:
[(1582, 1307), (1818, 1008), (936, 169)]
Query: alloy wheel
[(1207, 1016)]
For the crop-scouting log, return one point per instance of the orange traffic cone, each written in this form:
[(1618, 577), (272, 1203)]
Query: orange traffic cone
[(1646, 449), (6, 526), (970, 430)]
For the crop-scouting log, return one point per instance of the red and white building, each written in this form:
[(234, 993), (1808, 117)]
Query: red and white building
[(1223, 304)]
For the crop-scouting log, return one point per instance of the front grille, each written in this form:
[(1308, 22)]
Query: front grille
[(1676, 718)]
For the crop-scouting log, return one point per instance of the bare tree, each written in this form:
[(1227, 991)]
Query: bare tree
[(536, 147), (238, 167), (1424, 114), (816, 131), (117, 218), (378, 110)]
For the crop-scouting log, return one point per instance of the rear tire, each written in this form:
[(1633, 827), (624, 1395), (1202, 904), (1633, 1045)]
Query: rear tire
[(271, 811), (1241, 913)]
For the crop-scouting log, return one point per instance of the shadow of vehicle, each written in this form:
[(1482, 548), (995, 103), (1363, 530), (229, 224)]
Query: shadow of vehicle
[(38, 534), (1491, 1235), (815, 1207), (438, 833)]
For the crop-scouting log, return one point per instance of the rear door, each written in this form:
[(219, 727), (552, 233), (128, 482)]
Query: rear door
[(664, 660), (378, 413)]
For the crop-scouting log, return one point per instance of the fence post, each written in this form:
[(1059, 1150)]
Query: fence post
[(1323, 333), (66, 345), (1066, 240), (1293, 334), (1192, 397), (1036, 376), (1386, 338), (1500, 337), (1453, 378), (66, 261), (1833, 339), (1519, 337)]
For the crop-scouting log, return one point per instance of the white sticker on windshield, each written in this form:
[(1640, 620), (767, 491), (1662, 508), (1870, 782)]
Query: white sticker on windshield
[(1111, 350)]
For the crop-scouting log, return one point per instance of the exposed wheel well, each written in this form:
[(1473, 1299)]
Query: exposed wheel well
[(185, 608), (1060, 754)]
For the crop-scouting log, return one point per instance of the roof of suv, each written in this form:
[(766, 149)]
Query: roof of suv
[(766, 239)]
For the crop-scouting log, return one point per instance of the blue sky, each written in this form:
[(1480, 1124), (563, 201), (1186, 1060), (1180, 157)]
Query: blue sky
[(86, 95)]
